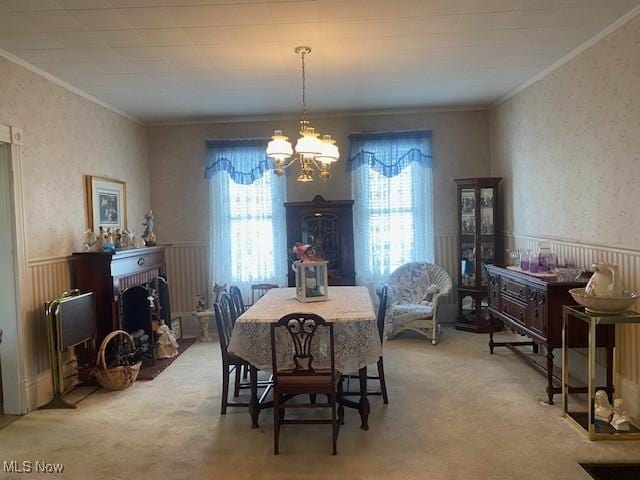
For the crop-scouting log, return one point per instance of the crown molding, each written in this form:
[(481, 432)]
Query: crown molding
[(574, 53), (52, 78), (326, 114)]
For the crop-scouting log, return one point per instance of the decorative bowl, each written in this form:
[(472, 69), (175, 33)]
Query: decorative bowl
[(604, 305)]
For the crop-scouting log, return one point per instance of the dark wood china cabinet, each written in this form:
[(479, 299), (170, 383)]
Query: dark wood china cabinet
[(328, 226), (480, 244)]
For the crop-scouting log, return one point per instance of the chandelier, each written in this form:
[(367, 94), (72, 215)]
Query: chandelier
[(310, 150)]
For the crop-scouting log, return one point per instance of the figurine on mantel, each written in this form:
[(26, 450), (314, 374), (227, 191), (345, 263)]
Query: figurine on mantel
[(108, 240), (148, 236), (89, 241)]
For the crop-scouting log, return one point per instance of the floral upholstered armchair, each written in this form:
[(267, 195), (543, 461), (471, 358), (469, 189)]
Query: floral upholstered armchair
[(415, 291)]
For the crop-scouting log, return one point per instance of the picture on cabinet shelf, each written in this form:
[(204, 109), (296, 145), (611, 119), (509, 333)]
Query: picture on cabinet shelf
[(106, 203)]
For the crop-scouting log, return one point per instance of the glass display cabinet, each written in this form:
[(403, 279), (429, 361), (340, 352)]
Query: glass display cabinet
[(480, 243)]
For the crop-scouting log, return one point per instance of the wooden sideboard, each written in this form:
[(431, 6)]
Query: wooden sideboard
[(108, 275), (532, 307)]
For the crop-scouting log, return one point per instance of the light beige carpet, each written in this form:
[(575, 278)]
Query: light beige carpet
[(455, 412)]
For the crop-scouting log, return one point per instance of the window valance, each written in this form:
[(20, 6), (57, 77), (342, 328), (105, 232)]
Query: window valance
[(388, 153), (245, 161)]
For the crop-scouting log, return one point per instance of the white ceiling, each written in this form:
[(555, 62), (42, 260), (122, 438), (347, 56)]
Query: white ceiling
[(172, 60)]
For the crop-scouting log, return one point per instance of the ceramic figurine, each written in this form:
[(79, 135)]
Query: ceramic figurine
[(101, 237), (125, 242), (89, 241), (602, 407), (148, 235), (621, 420), (117, 239), (107, 244), (605, 281), (166, 344)]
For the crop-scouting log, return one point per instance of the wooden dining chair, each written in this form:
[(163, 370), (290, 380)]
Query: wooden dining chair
[(259, 289), (236, 297), (383, 295), (304, 378), (225, 319)]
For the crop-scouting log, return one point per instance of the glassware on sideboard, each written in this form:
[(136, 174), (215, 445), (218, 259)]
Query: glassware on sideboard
[(513, 258), (544, 257)]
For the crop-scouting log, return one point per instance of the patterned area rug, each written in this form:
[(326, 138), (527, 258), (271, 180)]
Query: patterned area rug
[(149, 371), (613, 471)]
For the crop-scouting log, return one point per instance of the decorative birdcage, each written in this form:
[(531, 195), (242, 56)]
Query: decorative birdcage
[(311, 280)]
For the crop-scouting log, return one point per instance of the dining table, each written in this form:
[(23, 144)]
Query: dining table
[(356, 339)]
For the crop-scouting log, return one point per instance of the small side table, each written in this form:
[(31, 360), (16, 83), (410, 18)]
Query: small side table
[(204, 317), (585, 421)]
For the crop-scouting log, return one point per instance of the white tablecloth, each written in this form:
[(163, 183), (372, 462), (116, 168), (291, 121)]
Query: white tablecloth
[(356, 339)]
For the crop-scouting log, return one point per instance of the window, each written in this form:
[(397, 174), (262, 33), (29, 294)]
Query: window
[(251, 217), (247, 225), (391, 183), (390, 212)]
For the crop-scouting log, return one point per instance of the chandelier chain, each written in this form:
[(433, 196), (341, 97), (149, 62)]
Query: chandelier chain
[(304, 85)]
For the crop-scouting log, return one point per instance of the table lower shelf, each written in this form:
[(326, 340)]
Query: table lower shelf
[(603, 431)]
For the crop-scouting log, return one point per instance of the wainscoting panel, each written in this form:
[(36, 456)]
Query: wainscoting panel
[(48, 279), (188, 264), (583, 255), (187, 270), (446, 255)]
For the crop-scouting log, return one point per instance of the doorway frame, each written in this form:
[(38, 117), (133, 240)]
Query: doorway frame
[(14, 399)]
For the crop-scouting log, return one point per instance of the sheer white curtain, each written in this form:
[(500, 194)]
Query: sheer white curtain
[(391, 178), (247, 216)]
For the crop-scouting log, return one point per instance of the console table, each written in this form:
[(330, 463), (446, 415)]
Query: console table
[(532, 307), (585, 421)]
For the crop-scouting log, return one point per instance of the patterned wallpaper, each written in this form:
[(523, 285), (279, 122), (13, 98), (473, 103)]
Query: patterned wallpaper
[(65, 138), (569, 147), (460, 146)]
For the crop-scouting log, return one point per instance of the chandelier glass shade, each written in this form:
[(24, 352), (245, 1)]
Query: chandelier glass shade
[(310, 151)]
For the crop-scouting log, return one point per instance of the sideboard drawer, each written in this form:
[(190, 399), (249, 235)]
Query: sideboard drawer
[(516, 290), (130, 264), (514, 310)]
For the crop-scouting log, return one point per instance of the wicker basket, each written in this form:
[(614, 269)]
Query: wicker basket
[(116, 378)]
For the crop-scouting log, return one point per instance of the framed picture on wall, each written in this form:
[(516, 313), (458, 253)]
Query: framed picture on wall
[(106, 203)]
